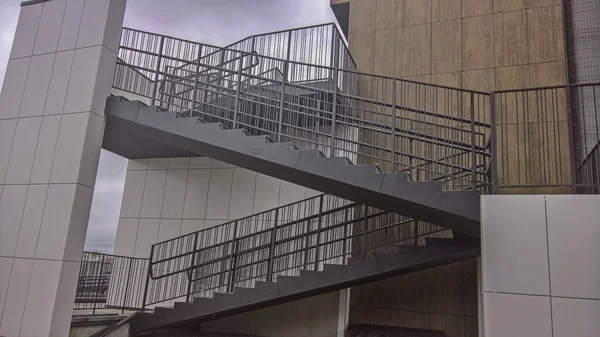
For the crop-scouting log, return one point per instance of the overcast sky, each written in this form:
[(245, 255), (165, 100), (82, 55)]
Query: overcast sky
[(217, 22)]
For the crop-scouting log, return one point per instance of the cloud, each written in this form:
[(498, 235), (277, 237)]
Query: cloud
[(106, 204), (217, 22)]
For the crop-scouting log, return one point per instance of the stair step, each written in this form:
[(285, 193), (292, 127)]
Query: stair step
[(312, 153), (333, 267), (200, 300), (360, 262), (397, 178), (284, 146), (366, 168), (265, 285), (164, 311), (258, 140), (208, 127), (305, 273), (339, 169), (458, 243), (153, 109), (181, 305)]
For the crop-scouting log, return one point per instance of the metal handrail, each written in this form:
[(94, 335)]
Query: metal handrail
[(324, 225)]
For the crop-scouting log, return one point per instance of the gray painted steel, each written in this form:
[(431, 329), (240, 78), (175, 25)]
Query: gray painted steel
[(408, 259), (32, 2), (394, 192)]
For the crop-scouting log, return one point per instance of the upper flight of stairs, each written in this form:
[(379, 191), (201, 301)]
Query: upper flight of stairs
[(406, 259), (133, 121)]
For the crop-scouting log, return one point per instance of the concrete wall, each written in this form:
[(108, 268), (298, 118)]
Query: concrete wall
[(166, 198), (475, 44), (322, 316), (51, 127), (541, 276)]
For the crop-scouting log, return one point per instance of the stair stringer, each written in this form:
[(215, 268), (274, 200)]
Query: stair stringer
[(393, 192)]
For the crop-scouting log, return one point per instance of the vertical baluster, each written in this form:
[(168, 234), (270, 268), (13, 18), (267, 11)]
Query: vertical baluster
[(196, 75), (126, 286), (365, 224), (493, 145), (393, 150), (272, 248), (158, 63), (238, 89), (336, 61), (232, 258), (319, 220), (473, 154)]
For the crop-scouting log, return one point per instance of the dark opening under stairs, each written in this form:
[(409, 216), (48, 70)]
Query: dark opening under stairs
[(406, 259), (367, 330), (364, 183)]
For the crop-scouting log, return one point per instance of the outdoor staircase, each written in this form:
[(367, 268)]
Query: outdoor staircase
[(380, 265), (140, 125)]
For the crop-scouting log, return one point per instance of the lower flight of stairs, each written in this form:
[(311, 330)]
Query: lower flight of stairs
[(406, 259), (363, 183)]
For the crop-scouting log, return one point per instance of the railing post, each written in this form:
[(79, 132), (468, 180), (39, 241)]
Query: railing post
[(306, 250), (195, 92), (493, 144), (222, 66), (148, 273), (237, 91), (344, 244), (96, 297), (394, 125), (473, 154), (272, 248), (191, 272), (319, 233), (571, 136), (286, 66), (158, 63), (126, 286), (335, 78), (232, 259), (365, 223), (568, 98), (416, 232)]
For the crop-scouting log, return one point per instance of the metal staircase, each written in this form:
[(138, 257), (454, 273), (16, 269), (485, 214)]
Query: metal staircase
[(403, 163), (314, 246)]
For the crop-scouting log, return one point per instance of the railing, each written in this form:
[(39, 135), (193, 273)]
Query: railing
[(433, 132), (542, 146), (110, 282), (282, 241), (588, 173)]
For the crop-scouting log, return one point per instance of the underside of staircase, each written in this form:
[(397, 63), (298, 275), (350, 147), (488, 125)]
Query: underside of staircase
[(357, 271), (129, 122)]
